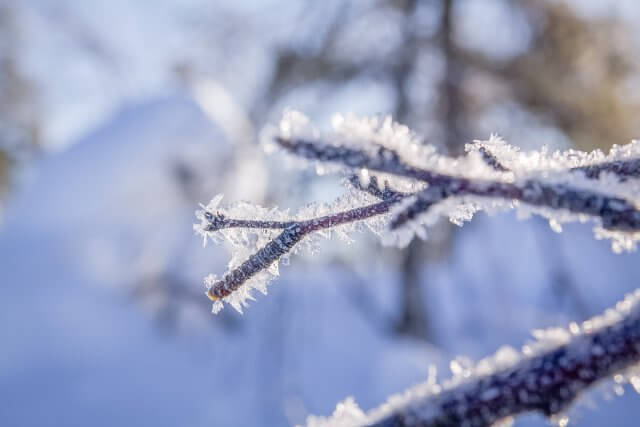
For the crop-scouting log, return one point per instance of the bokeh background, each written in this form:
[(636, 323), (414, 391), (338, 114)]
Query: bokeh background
[(118, 117)]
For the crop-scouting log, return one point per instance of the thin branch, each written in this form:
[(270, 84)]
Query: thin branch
[(624, 169), (257, 262), (614, 212), (374, 189), (492, 160), (379, 159), (218, 221), (293, 233), (423, 202), (546, 383)]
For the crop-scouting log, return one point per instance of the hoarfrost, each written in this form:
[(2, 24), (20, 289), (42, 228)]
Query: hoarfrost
[(346, 414), (249, 229), (420, 402), (418, 186), (353, 139)]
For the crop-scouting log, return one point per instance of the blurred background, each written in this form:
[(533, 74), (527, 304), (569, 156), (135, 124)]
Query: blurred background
[(118, 117)]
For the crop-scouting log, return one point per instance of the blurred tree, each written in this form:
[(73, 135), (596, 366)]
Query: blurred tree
[(18, 122), (575, 73)]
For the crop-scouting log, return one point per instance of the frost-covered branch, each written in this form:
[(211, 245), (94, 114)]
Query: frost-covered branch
[(615, 213), (217, 221), (624, 169), (396, 187), (373, 188), (491, 160), (293, 232), (547, 376), (418, 186)]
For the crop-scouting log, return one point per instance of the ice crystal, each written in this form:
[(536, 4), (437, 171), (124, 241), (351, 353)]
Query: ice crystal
[(346, 414)]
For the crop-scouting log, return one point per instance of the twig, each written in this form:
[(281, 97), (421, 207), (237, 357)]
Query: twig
[(614, 212), (293, 233), (624, 169)]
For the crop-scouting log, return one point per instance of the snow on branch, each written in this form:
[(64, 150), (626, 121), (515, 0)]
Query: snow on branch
[(398, 185), (623, 169), (613, 213), (546, 377), (236, 285)]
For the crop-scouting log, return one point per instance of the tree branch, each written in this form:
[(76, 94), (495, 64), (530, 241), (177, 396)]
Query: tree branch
[(614, 212), (546, 383), (293, 233), (623, 169)]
